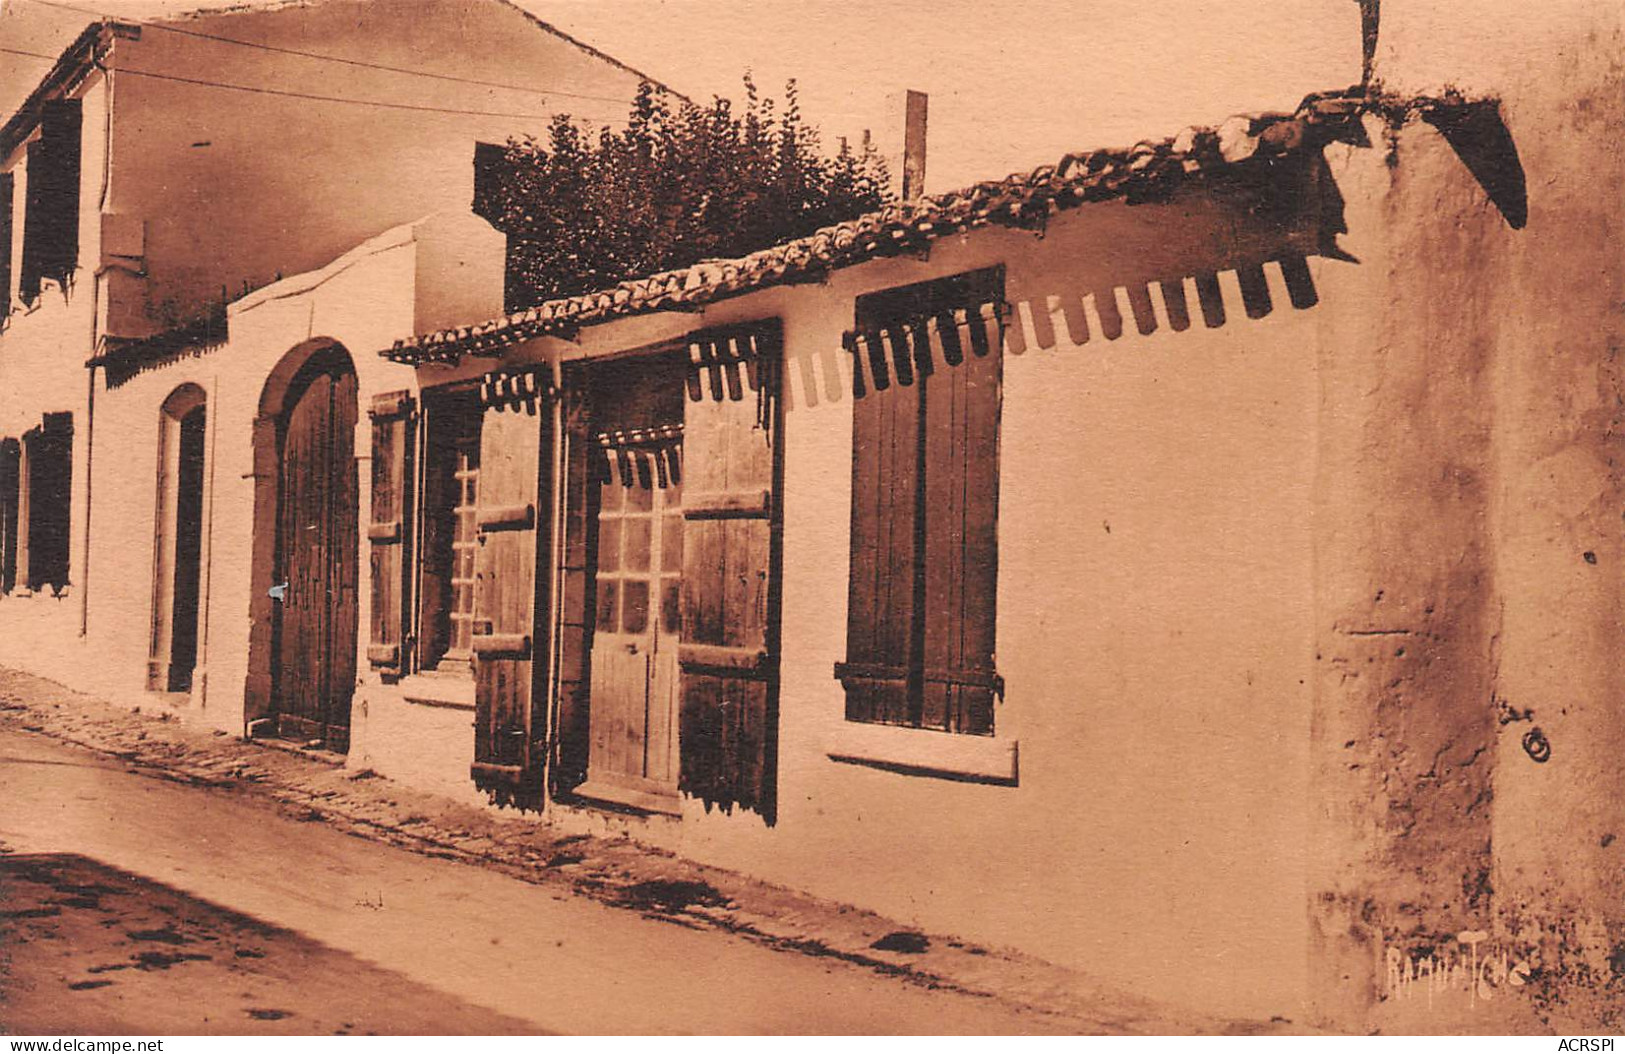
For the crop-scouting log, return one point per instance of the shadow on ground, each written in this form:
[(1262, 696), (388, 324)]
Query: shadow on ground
[(89, 949)]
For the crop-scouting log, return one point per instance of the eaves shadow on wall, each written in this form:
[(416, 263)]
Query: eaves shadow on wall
[(126, 359), (1479, 136), (1234, 250)]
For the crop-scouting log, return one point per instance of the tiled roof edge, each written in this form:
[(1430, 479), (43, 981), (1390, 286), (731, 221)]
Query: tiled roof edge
[(1024, 199)]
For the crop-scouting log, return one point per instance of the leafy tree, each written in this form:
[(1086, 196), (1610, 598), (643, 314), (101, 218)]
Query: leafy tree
[(585, 210)]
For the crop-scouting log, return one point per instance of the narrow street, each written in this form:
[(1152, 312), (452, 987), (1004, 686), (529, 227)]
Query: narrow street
[(91, 949), (342, 934)]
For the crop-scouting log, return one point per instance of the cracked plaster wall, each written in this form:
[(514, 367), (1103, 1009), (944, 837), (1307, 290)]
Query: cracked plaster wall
[(1469, 548)]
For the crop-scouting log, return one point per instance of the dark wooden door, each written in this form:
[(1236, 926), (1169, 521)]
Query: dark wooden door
[(317, 544)]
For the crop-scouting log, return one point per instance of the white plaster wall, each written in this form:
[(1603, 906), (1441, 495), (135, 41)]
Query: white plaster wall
[(1540, 306), (239, 187), (363, 301), (1154, 630), (1486, 47), (43, 351)]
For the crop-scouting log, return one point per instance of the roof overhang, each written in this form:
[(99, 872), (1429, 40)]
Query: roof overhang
[(1152, 170)]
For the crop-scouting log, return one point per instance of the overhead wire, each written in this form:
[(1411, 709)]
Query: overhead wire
[(362, 63), (343, 60), (29, 54), (414, 107)]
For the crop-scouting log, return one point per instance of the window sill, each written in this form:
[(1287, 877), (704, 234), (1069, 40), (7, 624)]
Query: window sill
[(47, 593), (926, 752), (643, 801), (450, 691)]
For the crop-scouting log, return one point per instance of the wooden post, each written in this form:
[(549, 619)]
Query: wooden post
[(902, 143), (914, 115)]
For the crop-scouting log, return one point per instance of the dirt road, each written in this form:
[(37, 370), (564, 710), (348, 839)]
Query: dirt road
[(478, 951), (85, 948)]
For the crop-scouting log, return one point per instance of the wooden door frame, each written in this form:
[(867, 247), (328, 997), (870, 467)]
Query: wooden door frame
[(268, 428), (576, 556)]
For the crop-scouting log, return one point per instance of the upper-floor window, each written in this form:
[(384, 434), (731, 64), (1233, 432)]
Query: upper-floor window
[(925, 448), (51, 211)]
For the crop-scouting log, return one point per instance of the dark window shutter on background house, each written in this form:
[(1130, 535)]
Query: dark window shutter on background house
[(51, 220), (50, 486), (34, 224), (10, 482), (728, 739), (8, 184), (924, 552), (394, 418), (490, 173), (510, 725)]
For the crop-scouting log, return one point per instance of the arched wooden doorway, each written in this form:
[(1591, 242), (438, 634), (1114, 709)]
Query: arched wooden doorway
[(178, 541), (306, 545)]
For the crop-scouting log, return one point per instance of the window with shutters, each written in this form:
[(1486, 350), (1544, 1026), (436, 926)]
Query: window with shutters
[(51, 212), (47, 483), (924, 556), (450, 493)]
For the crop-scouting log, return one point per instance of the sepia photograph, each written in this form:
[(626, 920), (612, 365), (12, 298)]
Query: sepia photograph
[(744, 518)]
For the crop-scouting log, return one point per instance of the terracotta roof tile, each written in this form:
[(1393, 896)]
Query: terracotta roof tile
[(1024, 199)]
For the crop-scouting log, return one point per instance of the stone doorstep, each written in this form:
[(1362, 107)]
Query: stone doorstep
[(305, 750), (617, 871)]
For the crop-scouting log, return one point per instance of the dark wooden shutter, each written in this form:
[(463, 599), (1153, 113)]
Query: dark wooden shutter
[(51, 220), (728, 737), (62, 129), (34, 223), (881, 608), (490, 176), (927, 362), (961, 447), (8, 184), (394, 417), (10, 493), (50, 486), (510, 602), (574, 731)]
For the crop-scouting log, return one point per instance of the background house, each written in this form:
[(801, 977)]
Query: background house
[(161, 168)]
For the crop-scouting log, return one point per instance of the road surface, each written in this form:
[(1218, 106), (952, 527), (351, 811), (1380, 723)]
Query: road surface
[(88, 949), (499, 954)]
